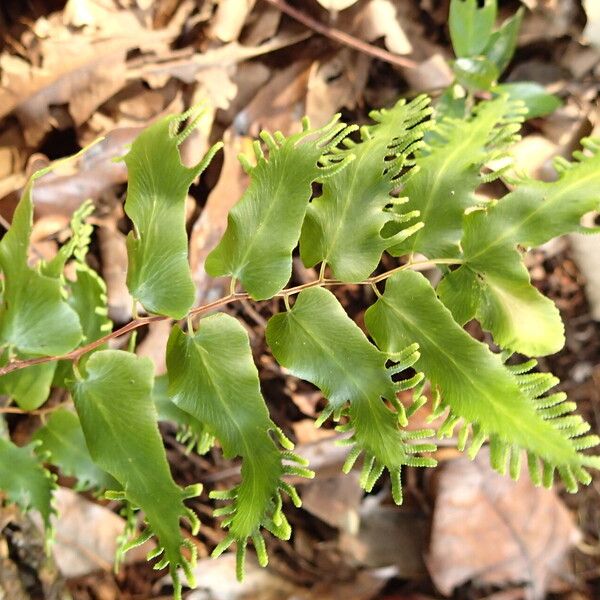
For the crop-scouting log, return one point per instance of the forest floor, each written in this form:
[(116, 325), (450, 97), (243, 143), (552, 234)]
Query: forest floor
[(73, 71)]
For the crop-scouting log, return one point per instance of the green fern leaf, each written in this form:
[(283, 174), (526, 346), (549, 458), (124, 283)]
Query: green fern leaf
[(264, 226), (448, 171), (25, 482), (519, 317), (191, 432), (343, 226), (62, 439), (471, 24), (472, 381), (159, 274), (318, 342), (34, 316), (29, 387), (78, 243), (212, 376), (118, 418), (87, 296)]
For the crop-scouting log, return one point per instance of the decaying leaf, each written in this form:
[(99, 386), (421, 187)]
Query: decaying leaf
[(490, 530), (591, 33)]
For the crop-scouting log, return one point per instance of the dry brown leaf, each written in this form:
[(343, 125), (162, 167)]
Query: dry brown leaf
[(262, 24), (490, 530), (80, 69), (335, 500), (388, 536), (549, 20), (533, 155), (432, 74), (591, 33), (229, 19), (211, 224), (279, 104), (336, 83), (305, 432), (93, 174), (86, 538), (218, 584), (113, 251), (379, 19), (586, 251)]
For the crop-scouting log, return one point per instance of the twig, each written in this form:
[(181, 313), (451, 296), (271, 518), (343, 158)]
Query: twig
[(343, 38), (74, 355)]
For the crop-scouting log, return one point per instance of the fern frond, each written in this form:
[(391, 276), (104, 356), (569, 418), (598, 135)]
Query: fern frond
[(61, 440), (119, 422), (507, 408), (554, 409), (307, 340), (276, 200), (507, 305), (449, 170), (77, 245), (25, 481), (343, 226), (232, 409), (158, 273)]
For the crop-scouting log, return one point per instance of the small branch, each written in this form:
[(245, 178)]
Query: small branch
[(13, 410), (76, 354), (343, 38)]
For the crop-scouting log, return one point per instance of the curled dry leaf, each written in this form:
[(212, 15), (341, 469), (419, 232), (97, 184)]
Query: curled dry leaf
[(490, 530)]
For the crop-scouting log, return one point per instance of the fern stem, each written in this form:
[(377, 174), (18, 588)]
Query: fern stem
[(233, 296)]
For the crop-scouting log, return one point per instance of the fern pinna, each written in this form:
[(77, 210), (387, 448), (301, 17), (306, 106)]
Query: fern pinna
[(405, 184)]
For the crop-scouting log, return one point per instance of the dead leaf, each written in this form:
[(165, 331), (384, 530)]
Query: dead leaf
[(591, 33), (86, 538), (113, 251), (533, 155), (335, 500), (279, 104), (80, 69), (379, 19), (336, 83), (432, 74), (218, 583), (490, 530), (93, 173), (388, 536), (227, 23), (586, 250)]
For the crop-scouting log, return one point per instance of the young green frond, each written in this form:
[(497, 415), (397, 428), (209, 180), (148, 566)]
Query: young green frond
[(473, 383), (448, 171), (343, 226), (213, 378), (62, 441), (24, 481), (119, 422), (506, 303), (318, 342), (276, 201), (159, 275)]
